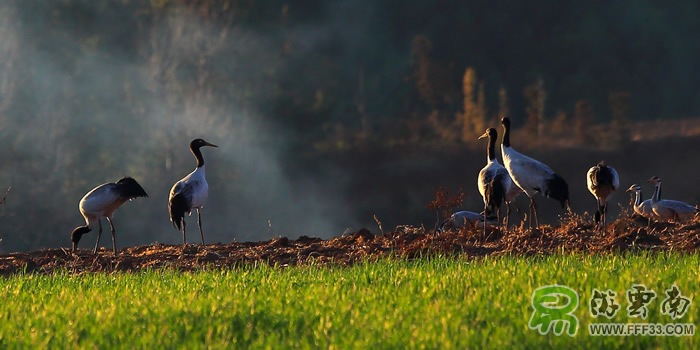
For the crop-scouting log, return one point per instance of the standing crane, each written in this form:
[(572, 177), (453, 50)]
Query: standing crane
[(190, 192), (494, 181), (602, 181), (532, 176)]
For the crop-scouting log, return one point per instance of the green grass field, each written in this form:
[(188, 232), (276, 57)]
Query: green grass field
[(430, 303)]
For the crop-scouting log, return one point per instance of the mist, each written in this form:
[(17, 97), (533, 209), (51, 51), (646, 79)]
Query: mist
[(81, 113)]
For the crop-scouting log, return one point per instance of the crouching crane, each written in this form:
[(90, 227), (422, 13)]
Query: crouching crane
[(667, 209), (642, 208), (102, 201), (465, 218)]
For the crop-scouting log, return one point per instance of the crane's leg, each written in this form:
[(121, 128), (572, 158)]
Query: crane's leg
[(114, 242), (199, 222), (533, 209), (184, 232), (605, 216), (529, 222), (499, 216), (486, 214), (517, 212), (596, 216), (507, 214), (99, 234)]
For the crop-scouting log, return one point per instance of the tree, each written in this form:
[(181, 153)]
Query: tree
[(583, 116), (536, 97), (471, 119), (619, 107), (503, 109), (420, 60)]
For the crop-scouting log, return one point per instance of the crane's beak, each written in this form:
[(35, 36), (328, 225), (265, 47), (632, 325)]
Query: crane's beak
[(485, 135), (210, 144)]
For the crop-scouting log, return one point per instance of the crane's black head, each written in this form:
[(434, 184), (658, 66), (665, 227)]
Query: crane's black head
[(634, 188), (655, 180), (194, 148), (197, 143), (506, 122), (129, 188), (506, 131), (78, 234), (490, 133)]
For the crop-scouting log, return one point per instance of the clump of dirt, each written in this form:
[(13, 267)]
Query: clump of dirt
[(575, 234)]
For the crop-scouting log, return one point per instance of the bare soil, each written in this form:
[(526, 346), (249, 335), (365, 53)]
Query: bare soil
[(575, 234)]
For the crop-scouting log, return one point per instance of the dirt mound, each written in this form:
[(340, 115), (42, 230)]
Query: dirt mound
[(575, 234)]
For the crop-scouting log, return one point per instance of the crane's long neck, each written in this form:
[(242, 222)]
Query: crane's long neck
[(198, 154), (491, 149), (657, 193), (506, 135), (637, 198)]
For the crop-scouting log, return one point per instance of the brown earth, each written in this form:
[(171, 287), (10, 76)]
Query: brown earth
[(576, 234)]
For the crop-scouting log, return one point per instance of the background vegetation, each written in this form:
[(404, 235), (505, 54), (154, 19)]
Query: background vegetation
[(92, 91)]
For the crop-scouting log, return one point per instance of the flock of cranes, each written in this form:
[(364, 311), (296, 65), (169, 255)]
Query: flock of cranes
[(497, 184), (521, 174), (189, 193)]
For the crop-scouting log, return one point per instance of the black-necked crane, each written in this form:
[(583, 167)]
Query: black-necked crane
[(464, 218), (190, 193), (532, 176), (101, 201), (642, 208), (494, 181), (602, 181), (667, 209)]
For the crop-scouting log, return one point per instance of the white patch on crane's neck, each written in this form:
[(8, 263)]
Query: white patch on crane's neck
[(637, 198), (509, 151), (198, 172), (657, 193)]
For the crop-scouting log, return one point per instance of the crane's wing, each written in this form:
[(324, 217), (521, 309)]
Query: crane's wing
[(615, 178), (99, 198), (180, 201), (592, 178)]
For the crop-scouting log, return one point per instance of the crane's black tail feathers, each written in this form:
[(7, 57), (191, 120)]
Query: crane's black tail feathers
[(495, 194), (558, 189), (178, 207), (602, 176), (129, 188)]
